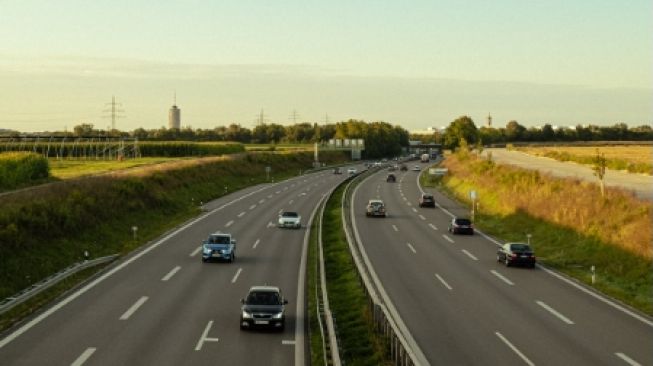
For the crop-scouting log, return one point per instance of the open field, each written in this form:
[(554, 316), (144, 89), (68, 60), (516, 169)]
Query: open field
[(67, 169), (634, 158)]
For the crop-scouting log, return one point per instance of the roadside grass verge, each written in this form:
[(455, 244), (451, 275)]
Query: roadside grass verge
[(313, 280), (572, 228), (360, 345), (634, 159), (50, 227), (20, 169), (68, 169)]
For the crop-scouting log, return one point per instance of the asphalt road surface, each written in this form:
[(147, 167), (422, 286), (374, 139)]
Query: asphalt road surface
[(464, 308), (641, 184), (163, 306)]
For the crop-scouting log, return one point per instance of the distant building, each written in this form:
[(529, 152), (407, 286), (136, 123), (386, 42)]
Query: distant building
[(174, 117)]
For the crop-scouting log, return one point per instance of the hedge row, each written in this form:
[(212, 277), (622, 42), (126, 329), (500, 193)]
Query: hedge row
[(19, 169)]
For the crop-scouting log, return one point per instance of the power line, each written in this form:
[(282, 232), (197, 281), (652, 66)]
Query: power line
[(294, 116), (260, 119)]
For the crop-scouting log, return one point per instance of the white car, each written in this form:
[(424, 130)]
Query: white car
[(290, 219), (416, 168), (351, 171)]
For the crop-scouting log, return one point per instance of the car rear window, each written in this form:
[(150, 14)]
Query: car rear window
[(427, 197), (289, 214), (520, 248), (463, 222)]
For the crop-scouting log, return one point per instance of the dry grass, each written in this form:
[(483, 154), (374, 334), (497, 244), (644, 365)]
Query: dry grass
[(635, 158), (620, 219)]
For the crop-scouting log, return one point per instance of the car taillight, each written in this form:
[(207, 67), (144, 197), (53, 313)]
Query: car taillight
[(514, 255)]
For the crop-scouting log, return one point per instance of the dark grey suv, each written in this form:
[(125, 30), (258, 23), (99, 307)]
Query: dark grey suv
[(264, 307)]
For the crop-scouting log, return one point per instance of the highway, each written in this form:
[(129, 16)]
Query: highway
[(640, 184), (464, 308), (163, 306)]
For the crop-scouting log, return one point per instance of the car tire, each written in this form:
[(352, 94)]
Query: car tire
[(532, 265), (498, 258)]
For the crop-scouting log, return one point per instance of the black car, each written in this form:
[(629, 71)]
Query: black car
[(403, 168), (391, 178), (426, 200), (337, 171), (461, 226), (515, 254), (264, 307)]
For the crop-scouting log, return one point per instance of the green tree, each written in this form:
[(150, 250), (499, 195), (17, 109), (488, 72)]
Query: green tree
[(462, 127), (599, 165), (514, 131)]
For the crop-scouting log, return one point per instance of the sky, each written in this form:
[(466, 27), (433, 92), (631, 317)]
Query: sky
[(416, 64)]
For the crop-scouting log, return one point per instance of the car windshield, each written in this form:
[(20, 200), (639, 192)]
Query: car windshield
[(376, 204), (463, 222), (289, 214), (263, 298), (520, 248), (427, 197), (219, 239)]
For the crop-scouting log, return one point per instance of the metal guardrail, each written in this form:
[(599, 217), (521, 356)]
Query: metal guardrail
[(402, 353), (35, 289)]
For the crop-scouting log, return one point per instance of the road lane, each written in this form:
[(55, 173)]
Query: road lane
[(463, 327), (165, 328)]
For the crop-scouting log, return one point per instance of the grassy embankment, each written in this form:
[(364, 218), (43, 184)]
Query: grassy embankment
[(20, 169), (360, 345), (49, 228), (572, 227), (634, 159)]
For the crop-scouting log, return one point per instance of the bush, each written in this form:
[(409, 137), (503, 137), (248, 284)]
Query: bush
[(18, 169)]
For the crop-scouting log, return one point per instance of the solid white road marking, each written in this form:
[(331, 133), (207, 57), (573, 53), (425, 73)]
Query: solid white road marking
[(443, 282), (171, 273), (287, 342), (233, 280), (394, 228), (514, 349), (252, 207), (133, 308), (229, 223), (433, 227), (241, 214), (554, 312), (627, 359), (447, 238), (411, 248), (470, 255), (83, 357), (194, 252), (422, 217), (256, 243), (502, 278), (204, 337)]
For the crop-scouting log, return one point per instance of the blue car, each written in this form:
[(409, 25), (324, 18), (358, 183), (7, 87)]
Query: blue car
[(219, 246)]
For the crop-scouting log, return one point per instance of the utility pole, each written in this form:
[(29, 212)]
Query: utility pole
[(115, 112), (326, 118)]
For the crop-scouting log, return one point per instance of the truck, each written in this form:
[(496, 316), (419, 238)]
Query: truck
[(425, 158)]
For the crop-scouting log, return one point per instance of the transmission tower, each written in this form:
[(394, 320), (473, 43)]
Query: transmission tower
[(326, 118), (115, 112), (260, 119), (294, 116)]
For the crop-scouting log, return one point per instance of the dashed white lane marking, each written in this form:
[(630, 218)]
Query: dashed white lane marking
[(554, 312), (288, 342), (270, 224), (84, 357), (409, 204), (443, 282), (422, 217), (405, 199), (410, 246), (204, 337), (414, 210), (194, 252), (241, 214), (502, 278), (447, 238), (433, 227), (277, 192), (469, 254), (229, 223), (133, 308), (256, 243), (170, 274), (252, 207), (290, 202), (285, 188), (233, 280), (514, 349), (627, 359), (395, 228)]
